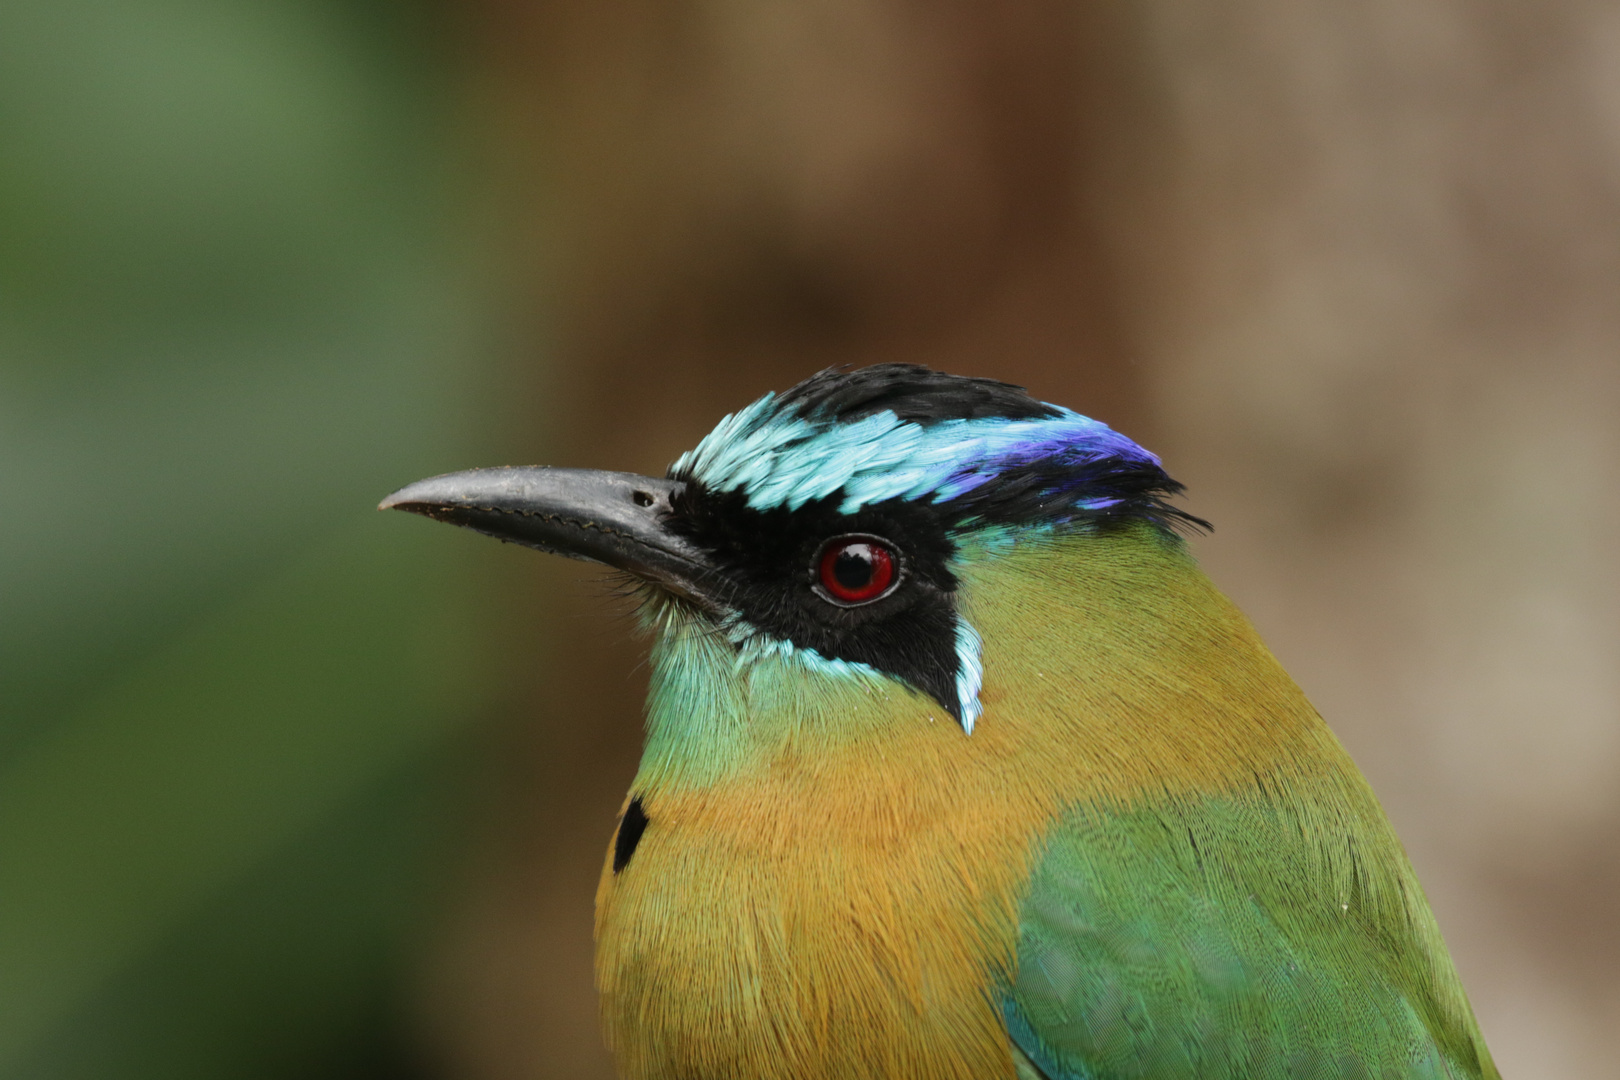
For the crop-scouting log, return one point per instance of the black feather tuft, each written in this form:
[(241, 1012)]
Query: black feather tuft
[(628, 838), (912, 392)]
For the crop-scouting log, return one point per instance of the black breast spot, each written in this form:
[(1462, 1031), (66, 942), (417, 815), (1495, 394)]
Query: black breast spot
[(631, 826)]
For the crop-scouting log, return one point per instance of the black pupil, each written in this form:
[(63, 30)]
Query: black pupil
[(853, 568)]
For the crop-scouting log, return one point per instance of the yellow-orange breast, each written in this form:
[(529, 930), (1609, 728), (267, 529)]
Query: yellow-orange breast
[(834, 917)]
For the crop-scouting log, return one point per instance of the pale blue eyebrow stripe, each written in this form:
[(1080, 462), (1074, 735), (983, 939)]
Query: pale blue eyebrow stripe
[(789, 461)]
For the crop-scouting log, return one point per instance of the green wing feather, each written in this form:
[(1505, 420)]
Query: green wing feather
[(1243, 937)]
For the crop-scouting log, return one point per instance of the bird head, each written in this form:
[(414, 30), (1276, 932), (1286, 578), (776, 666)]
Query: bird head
[(828, 535)]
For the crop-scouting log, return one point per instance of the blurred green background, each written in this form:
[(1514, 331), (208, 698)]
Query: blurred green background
[(236, 308)]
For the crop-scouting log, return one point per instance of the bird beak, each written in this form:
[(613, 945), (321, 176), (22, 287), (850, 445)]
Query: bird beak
[(619, 519)]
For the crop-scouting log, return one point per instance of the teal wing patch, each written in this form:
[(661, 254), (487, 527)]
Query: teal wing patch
[(1219, 941)]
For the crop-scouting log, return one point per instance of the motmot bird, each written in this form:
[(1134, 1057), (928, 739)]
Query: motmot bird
[(957, 767)]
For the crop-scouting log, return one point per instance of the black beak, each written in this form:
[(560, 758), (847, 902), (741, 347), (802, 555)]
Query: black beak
[(615, 518)]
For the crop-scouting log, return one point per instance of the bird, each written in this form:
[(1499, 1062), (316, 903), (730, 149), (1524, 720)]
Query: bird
[(957, 766)]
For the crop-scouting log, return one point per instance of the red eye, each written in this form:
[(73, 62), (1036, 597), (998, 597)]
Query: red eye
[(856, 569)]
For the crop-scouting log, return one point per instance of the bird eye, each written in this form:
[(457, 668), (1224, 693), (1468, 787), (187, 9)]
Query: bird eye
[(854, 570)]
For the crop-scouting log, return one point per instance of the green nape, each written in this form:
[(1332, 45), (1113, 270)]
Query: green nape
[(1234, 938)]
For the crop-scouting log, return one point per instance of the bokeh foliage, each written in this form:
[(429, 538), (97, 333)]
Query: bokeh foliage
[(235, 310)]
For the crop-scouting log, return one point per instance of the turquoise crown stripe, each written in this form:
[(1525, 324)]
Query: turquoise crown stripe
[(782, 459)]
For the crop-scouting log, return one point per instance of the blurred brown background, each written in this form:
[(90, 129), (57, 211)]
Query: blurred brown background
[(289, 788), (1353, 269)]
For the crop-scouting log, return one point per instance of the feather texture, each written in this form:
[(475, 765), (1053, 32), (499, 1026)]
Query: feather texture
[(1151, 859)]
